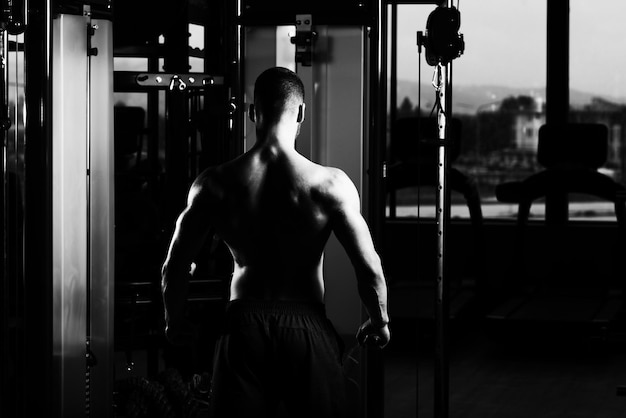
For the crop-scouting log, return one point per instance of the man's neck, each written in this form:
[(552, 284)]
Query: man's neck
[(279, 135)]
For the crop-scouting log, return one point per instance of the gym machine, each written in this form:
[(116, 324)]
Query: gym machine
[(57, 205)]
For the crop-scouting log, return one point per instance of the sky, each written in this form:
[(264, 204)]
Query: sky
[(505, 44)]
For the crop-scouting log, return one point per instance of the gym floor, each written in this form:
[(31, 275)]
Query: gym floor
[(539, 371)]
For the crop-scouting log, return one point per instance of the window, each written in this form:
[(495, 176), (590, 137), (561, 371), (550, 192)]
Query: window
[(196, 48), (598, 88), (498, 95)]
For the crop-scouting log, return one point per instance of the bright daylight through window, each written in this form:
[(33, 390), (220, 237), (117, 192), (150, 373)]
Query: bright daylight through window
[(499, 96)]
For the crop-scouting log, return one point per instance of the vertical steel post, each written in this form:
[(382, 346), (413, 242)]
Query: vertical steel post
[(393, 92), (101, 244), (176, 61), (442, 210), (237, 71), (38, 215), (442, 214), (557, 89), (375, 377), (5, 343)]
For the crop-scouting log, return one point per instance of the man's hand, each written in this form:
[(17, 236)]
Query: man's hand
[(181, 333), (370, 334)]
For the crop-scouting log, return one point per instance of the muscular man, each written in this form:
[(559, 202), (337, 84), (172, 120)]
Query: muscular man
[(275, 210)]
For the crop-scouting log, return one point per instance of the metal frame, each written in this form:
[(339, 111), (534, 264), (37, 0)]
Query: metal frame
[(82, 214), (38, 212)]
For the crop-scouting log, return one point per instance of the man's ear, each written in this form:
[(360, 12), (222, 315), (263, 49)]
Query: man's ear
[(301, 110), (251, 114)]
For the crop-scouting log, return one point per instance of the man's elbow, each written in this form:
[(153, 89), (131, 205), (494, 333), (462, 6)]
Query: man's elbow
[(172, 268), (164, 276), (371, 275), (169, 269), (164, 268)]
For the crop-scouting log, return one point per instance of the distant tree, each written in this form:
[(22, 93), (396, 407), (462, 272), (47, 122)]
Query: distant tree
[(468, 145), (517, 104), (494, 131), (406, 109)]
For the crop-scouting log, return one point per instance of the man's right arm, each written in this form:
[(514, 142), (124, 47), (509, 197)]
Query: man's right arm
[(353, 233), (192, 229)]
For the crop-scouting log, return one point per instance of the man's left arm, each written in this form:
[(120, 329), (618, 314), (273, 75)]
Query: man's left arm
[(353, 233), (191, 231)]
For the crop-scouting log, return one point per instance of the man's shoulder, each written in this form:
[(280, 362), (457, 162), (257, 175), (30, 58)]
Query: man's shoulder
[(333, 183), (208, 183), (206, 177), (337, 178), (218, 172), (214, 180)]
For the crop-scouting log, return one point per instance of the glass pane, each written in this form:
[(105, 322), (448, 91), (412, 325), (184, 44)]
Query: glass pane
[(498, 97), (196, 37), (285, 49), (196, 48), (598, 89)]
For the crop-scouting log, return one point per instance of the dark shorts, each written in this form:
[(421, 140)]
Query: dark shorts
[(278, 359)]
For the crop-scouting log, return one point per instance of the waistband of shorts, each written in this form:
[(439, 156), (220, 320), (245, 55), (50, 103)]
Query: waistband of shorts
[(277, 307)]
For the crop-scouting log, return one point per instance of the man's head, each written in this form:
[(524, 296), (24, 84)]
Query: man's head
[(278, 91)]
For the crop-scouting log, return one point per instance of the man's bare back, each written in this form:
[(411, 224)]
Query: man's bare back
[(273, 209)]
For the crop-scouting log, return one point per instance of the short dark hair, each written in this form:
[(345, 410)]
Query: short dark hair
[(276, 89)]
